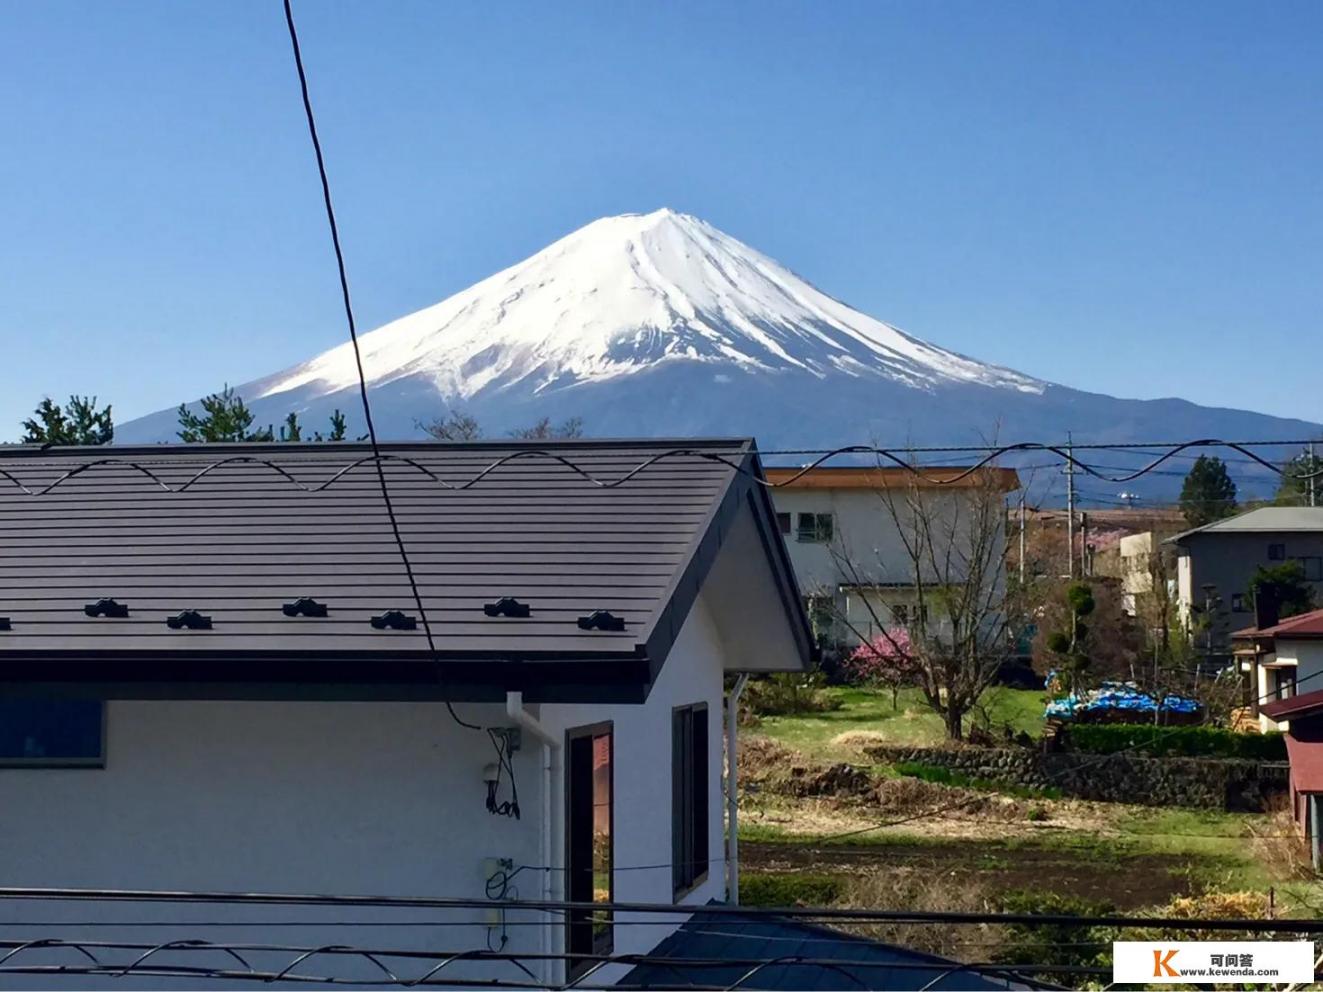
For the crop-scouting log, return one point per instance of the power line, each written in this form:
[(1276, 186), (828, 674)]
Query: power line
[(1137, 446), (894, 458), (860, 915), (358, 355)]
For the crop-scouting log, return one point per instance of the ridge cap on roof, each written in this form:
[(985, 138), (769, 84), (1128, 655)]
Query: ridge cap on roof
[(743, 443)]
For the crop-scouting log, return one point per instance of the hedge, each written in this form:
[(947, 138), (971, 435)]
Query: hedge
[(1188, 742), (941, 775)]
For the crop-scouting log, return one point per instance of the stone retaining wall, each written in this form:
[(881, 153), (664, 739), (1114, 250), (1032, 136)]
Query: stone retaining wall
[(1208, 783)]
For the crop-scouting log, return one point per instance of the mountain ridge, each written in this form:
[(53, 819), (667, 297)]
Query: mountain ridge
[(661, 324)]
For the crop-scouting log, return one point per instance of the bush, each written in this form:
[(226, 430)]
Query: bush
[(789, 695), (1187, 742), (798, 889), (1062, 944)]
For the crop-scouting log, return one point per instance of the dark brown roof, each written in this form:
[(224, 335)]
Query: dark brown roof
[(235, 532), (1305, 625), (1293, 706), (891, 477)]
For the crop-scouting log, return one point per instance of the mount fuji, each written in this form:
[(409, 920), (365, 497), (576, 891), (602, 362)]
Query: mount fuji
[(660, 324)]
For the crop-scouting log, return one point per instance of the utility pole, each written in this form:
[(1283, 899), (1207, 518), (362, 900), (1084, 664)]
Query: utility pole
[(1021, 538), (1070, 506), (1312, 480)]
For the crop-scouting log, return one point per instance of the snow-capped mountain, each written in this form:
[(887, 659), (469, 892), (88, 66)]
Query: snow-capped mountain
[(630, 294), (660, 324)]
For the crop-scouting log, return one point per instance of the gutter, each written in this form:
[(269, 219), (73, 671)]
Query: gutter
[(732, 793), (551, 755)]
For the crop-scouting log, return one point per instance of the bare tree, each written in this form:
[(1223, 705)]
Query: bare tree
[(455, 426), (460, 426), (545, 430), (1169, 662), (951, 554)]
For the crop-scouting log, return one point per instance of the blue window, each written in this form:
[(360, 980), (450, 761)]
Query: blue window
[(66, 732)]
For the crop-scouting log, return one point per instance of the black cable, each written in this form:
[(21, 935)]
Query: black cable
[(895, 457), (353, 337), (1293, 925)]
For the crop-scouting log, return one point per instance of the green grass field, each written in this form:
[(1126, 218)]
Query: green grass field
[(910, 722)]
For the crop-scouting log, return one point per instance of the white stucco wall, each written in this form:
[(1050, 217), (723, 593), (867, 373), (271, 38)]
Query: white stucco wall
[(866, 536), (347, 798), (1308, 658)]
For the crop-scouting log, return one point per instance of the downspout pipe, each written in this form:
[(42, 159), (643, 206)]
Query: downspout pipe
[(551, 878), (732, 791)]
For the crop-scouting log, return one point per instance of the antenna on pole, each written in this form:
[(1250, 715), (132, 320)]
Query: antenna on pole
[(1070, 506)]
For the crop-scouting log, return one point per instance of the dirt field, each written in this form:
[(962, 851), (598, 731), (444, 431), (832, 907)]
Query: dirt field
[(1127, 884), (838, 825)]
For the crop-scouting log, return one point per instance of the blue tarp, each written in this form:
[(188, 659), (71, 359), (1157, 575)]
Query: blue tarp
[(1117, 697)]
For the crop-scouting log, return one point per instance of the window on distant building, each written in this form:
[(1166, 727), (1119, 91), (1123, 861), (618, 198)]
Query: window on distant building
[(1237, 602), (783, 522), (815, 528), (1313, 568), (65, 732), (689, 797), (905, 614), (1283, 682), (1277, 552)]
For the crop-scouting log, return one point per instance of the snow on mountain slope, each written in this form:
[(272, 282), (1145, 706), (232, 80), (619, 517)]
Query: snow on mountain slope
[(627, 294), (659, 324)]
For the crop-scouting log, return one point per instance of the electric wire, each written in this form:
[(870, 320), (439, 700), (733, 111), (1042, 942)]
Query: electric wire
[(886, 457), (716, 910), (358, 355)]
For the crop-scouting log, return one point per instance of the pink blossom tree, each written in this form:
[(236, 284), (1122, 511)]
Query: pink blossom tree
[(887, 660)]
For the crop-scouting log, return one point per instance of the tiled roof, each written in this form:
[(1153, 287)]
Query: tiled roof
[(241, 533)]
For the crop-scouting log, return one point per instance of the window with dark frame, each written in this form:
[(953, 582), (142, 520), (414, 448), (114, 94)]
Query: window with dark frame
[(1237, 602), (589, 842), (1277, 552), (689, 797), (52, 733), (815, 528), (783, 522)]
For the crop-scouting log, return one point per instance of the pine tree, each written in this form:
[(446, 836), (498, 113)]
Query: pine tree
[(1286, 585), (1208, 494), (83, 423), (225, 417)]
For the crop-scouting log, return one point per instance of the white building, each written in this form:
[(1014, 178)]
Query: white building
[(846, 532), (1284, 659), (215, 678)]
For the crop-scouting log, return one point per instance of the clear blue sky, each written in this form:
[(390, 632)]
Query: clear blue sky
[(1123, 197)]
